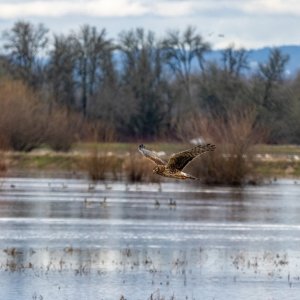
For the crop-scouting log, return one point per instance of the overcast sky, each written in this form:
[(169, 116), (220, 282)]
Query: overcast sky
[(247, 23)]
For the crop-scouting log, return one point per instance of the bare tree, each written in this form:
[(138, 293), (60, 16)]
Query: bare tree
[(234, 61), (144, 80), (25, 44), (223, 89), (272, 96), (272, 73), (61, 70), (181, 51), (91, 47)]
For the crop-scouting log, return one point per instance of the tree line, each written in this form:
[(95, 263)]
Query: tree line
[(144, 87)]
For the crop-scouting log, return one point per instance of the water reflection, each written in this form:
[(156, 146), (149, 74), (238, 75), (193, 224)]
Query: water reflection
[(61, 239)]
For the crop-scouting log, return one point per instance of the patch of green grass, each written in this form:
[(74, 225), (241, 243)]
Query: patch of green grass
[(277, 168), (278, 149), (41, 162), (123, 148), (117, 148), (170, 147)]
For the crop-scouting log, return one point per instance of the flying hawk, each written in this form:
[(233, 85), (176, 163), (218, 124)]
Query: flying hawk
[(173, 168)]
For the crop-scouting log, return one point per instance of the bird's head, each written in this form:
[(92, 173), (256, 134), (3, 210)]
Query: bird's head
[(158, 169)]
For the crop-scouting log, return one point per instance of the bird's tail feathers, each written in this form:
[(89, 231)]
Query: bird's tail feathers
[(189, 176)]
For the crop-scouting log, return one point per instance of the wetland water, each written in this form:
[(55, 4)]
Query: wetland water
[(66, 239)]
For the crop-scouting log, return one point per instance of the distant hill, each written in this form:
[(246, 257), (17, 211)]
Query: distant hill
[(256, 56)]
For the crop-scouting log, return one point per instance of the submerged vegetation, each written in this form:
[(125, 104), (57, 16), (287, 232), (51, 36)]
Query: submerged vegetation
[(179, 268)]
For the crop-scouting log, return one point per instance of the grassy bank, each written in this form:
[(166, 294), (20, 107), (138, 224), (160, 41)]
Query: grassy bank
[(117, 159)]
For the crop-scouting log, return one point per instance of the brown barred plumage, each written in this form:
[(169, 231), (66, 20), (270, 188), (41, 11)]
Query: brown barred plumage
[(173, 168)]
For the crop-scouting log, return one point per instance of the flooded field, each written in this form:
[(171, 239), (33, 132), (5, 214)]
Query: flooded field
[(69, 239)]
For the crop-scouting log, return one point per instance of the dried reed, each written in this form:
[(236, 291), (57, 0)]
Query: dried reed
[(99, 163), (139, 169)]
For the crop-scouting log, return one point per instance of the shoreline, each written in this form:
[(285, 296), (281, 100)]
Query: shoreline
[(269, 161)]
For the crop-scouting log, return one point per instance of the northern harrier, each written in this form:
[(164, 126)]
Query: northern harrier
[(173, 168)]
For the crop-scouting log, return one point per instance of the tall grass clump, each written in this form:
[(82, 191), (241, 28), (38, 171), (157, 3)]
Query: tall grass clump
[(232, 162), (99, 162), (100, 165), (139, 169), (3, 165)]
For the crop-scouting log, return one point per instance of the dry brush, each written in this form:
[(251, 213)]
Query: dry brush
[(233, 161)]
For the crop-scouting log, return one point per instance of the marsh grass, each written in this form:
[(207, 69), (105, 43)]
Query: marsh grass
[(99, 165), (99, 162), (3, 165), (139, 169)]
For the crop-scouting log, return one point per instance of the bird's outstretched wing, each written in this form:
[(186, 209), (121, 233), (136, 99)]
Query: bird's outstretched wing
[(179, 160), (151, 155)]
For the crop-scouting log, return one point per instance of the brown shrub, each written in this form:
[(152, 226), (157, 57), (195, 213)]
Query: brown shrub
[(26, 121), (21, 121), (232, 161), (63, 129)]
